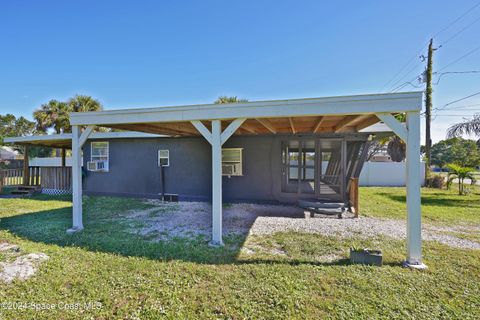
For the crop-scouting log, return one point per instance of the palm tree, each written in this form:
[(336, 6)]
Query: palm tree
[(52, 115), (460, 173), (226, 99), (467, 127), (56, 114), (81, 103)]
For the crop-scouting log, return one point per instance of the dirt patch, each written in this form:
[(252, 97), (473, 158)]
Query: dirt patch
[(19, 266)]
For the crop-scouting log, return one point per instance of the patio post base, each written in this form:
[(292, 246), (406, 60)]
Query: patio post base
[(215, 244), (74, 230), (417, 266)]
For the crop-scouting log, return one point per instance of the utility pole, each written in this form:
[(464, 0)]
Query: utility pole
[(428, 107)]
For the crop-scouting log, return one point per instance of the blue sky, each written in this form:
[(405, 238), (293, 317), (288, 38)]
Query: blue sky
[(154, 53)]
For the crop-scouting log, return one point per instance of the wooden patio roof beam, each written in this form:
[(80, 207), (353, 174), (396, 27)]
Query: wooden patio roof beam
[(319, 123), (345, 122), (367, 122), (247, 127), (267, 124), (292, 125)]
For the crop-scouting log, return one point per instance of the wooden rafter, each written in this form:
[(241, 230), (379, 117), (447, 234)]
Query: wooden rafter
[(247, 127), (345, 122), (292, 125), (367, 122), (267, 124), (318, 124)]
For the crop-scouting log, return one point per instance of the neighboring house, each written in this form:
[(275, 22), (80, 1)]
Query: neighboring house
[(8, 153)]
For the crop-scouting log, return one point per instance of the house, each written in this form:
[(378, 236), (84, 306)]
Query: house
[(279, 150)]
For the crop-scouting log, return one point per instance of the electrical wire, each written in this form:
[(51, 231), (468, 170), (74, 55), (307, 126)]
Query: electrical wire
[(459, 32), (440, 75), (460, 58), (393, 87), (457, 19)]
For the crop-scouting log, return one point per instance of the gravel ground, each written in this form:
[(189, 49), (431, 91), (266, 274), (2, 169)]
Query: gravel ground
[(191, 219)]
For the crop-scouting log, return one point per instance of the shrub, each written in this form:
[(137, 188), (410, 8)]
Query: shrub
[(435, 181)]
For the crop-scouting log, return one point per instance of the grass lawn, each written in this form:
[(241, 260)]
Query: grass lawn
[(133, 278), (443, 207)]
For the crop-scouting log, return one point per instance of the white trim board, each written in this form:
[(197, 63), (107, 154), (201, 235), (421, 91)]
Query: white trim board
[(94, 135), (342, 105)]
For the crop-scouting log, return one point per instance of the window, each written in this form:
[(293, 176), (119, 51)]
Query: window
[(163, 158), (98, 156), (232, 162)]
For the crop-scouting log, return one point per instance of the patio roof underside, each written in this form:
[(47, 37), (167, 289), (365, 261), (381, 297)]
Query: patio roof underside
[(292, 125)]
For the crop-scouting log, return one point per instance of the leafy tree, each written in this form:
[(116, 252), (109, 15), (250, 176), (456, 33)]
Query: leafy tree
[(226, 99), (11, 126), (462, 152), (460, 173)]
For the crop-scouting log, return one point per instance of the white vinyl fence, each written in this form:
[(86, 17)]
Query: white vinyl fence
[(388, 174)]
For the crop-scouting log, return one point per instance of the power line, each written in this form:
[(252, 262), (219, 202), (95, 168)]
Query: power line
[(459, 32), (440, 75), (404, 85), (466, 107), (458, 100), (423, 48), (404, 76), (403, 68), (460, 58), (456, 20)]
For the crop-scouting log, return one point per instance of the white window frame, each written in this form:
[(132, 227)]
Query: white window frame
[(108, 155), (168, 157), (233, 162)]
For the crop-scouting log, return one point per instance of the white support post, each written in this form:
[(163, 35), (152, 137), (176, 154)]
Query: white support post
[(77, 142), (76, 181), (217, 138), (414, 224), (216, 184)]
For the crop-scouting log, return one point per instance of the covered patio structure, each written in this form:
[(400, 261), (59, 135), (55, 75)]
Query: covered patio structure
[(216, 123)]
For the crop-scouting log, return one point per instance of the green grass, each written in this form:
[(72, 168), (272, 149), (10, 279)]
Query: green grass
[(132, 277), (444, 207)]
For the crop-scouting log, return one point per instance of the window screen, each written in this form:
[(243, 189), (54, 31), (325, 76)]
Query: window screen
[(163, 158), (99, 151)]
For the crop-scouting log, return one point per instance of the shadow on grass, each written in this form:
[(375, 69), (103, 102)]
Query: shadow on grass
[(105, 231), (434, 199)]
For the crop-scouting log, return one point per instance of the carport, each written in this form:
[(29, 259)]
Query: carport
[(218, 122)]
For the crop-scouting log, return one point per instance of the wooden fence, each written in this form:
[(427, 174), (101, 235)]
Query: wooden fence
[(11, 177), (58, 178)]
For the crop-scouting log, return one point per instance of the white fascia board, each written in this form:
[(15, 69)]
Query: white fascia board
[(39, 138), (94, 135), (359, 104)]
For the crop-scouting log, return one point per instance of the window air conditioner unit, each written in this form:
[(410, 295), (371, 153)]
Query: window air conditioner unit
[(101, 166), (232, 169)]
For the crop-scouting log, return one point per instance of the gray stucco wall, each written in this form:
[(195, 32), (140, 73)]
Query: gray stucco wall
[(133, 169)]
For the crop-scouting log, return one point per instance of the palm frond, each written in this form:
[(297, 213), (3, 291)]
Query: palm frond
[(467, 127)]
